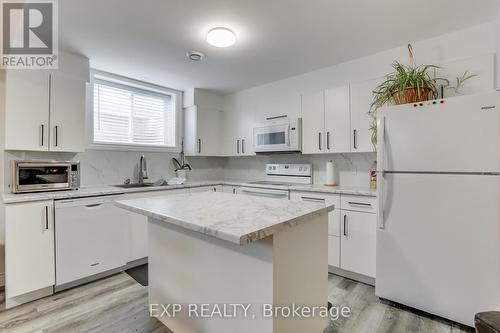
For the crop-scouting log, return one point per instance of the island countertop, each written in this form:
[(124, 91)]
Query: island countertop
[(237, 219)]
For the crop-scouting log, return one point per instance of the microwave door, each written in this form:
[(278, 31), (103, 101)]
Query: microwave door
[(273, 139)]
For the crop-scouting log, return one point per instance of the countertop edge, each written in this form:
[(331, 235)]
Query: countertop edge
[(242, 240), (85, 192)]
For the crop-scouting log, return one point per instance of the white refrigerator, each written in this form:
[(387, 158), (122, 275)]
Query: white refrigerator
[(438, 236)]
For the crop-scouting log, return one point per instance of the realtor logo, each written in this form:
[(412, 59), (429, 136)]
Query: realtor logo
[(29, 34)]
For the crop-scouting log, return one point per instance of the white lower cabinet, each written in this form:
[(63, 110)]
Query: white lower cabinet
[(90, 237), (334, 251), (333, 221), (214, 188), (29, 247), (231, 189), (137, 235), (351, 230), (358, 242)]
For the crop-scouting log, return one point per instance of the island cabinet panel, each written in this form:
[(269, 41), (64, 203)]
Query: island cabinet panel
[(273, 270), (29, 249)]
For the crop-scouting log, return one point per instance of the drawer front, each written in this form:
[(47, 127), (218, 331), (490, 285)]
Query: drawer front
[(359, 203), (333, 216), (334, 251)]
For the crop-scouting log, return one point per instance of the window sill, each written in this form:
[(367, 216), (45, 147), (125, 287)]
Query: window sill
[(138, 148)]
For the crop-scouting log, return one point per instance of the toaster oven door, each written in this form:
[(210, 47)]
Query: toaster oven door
[(34, 177)]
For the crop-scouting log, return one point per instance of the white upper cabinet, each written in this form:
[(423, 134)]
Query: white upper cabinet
[(202, 131), (67, 114), (325, 121), (27, 110), (361, 100), (337, 120), (313, 123), (237, 136), (45, 110)]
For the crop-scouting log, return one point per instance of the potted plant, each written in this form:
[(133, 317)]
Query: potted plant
[(181, 169), (407, 84)]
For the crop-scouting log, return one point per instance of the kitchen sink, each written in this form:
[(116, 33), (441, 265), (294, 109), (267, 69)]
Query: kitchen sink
[(134, 185)]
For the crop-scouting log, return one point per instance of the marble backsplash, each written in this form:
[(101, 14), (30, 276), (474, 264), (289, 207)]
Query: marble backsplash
[(351, 169), (100, 167)]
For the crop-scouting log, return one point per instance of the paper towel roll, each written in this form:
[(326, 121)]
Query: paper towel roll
[(330, 173)]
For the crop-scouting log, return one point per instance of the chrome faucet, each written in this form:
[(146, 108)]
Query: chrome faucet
[(143, 169)]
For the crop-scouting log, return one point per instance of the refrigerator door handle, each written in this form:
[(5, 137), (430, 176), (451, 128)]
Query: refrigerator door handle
[(380, 171)]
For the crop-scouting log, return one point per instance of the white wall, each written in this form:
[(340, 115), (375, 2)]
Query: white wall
[(283, 97)]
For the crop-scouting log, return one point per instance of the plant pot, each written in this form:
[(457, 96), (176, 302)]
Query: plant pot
[(183, 173), (411, 95)]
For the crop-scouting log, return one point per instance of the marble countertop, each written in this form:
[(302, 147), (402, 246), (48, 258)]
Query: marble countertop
[(92, 191), (234, 218)]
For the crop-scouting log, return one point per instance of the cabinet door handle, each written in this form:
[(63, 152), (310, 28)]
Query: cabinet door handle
[(94, 205), (312, 199), (328, 140), (242, 146), (319, 140), (56, 135), (237, 146), (199, 145), (355, 139), (215, 189), (277, 117), (46, 217), (352, 203), (42, 135), (345, 225)]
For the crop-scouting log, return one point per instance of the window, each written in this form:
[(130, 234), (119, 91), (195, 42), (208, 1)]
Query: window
[(133, 115)]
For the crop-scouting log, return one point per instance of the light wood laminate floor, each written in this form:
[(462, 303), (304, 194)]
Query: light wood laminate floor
[(119, 304)]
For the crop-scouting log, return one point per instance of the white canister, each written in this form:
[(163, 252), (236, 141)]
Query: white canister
[(330, 174)]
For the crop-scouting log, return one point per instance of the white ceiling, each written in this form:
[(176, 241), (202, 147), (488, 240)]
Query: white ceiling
[(148, 40)]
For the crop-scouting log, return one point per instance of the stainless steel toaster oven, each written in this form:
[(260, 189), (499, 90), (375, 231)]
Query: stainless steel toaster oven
[(38, 176)]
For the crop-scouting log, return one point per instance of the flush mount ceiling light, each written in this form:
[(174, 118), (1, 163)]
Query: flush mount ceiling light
[(221, 37), (195, 56)]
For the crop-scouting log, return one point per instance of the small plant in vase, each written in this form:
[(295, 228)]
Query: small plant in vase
[(181, 168)]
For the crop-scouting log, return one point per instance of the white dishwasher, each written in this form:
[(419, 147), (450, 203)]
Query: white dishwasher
[(90, 237)]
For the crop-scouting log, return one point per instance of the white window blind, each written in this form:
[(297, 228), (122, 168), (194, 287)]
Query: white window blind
[(127, 115)]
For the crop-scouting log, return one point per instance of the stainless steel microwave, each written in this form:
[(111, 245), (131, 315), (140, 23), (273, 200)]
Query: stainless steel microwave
[(277, 136), (39, 176)]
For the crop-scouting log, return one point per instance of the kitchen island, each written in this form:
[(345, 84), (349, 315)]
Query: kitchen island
[(219, 262)]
